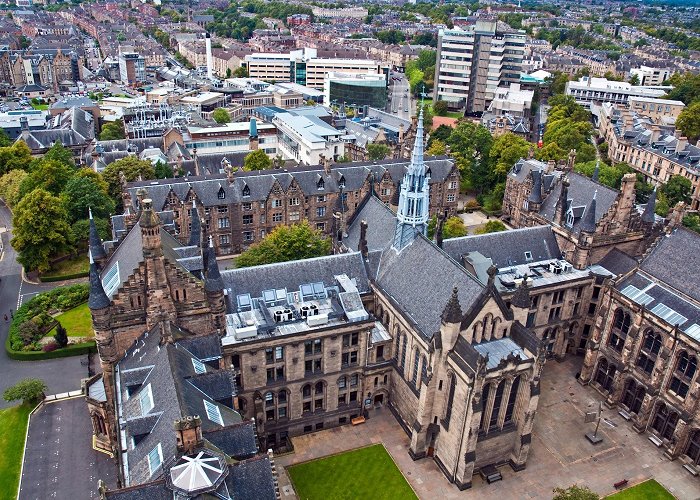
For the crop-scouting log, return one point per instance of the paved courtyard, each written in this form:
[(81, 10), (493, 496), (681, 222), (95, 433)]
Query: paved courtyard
[(59, 461), (559, 456)]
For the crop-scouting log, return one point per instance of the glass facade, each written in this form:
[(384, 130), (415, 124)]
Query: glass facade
[(359, 92)]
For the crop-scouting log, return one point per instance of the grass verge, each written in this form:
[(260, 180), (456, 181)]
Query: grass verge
[(76, 321), (648, 490), (68, 269), (364, 473), (13, 430)]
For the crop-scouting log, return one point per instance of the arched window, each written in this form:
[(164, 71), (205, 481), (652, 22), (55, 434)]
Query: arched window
[(318, 388), (416, 365), (484, 406), (693, 450), (686, 366), (633, 396), (549, 337), (450, 399), (486, 327), (605, 374), (269, 399), (665, 421), (403, 350), (618, 333), (497, 401), (512, 400), (397, 334), (306, 391), (424, 369), (649, 351)]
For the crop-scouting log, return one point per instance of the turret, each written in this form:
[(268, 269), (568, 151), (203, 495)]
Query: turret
[(521, 297), (214, 289), (97, 251), (195, 226), (588, 220), (451, 320), (649, 216), (535, 198), (562, 204), (150, 229)]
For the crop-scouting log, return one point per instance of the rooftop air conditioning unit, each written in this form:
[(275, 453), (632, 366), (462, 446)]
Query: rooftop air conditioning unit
[(288, 315), (317, 320), (554, 267), (566, 267), (279, 316), (304, 311), (313, 310)]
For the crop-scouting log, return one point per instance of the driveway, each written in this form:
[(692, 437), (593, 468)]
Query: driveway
[(61, 375), (59, 461), (559, 456)]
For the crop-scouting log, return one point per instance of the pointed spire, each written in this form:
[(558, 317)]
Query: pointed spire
[(453, 311), (196, 226), (98, 298), (417, 165), (521, 297), (97, 251), (588, 220), (213, 281), (536, 194), (596, 172), (649, 216)]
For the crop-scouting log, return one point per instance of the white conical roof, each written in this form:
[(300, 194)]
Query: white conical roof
[(195, 473)]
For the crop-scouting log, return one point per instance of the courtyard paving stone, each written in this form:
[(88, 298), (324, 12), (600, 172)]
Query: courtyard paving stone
[(559, 456)]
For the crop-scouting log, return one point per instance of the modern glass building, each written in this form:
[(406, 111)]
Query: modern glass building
[(358, 89)]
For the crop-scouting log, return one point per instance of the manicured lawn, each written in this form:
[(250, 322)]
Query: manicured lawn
[(41, 107), (76, 321), (364, 473), (69, 267), (13, 429), (648, 490)]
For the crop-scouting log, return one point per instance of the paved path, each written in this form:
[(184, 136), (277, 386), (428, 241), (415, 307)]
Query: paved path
[(59, 461), (560, 455), (61, 375)]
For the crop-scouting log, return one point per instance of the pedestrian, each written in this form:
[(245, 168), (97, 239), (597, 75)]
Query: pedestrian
[(6, 317)]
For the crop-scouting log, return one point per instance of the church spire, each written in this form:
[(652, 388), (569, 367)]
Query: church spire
[(412, 214), (98, 298)]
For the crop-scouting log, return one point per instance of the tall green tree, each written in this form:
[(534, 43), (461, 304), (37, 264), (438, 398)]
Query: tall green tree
[(41, 229), (436, 148), (10, 186), (112, 131), (61, 336), (82, 194), (132, 167), (17, 156), (48, 174), (688, 122), (610, 175), (163, 171), (677, 189), (505, 152), (452, 228), (221, 115), (59, 153), (257, 160), (5, 140), (285, 243), (377, 152)]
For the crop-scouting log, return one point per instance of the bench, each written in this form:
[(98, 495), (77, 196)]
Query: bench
[(624, 414), (490, 474), (657, 442), (358, 420), (620, 484), (691, 469)]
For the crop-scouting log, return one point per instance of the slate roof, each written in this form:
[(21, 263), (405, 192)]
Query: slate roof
[(507, 248), (381, 224), (251, 480), (618, 262), (237, 440), (420, 280), (73, 127)]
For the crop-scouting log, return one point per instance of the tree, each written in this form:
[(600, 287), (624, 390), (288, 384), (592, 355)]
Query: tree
[(29, 390), (5, 140), (437, 148), (82, 194), (51, 175), (59, 153), (452, 228), (677, 189), (558, 82), (634, 79), (257, 160), (610, 175), (550, 151), (377, 152), (112, 131), (220, 115), (692, 222), (575, 493), (61, 336), (688, 122), (41, 229), (505, 152), (442, 133), (80, 231), (285, 243), (9, 186), (440, 108), (492, 226), (241, 72), (17, 156), (132, 167), (163, 171)]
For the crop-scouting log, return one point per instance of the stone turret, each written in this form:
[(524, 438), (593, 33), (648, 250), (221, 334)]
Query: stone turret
[(214, 289), (649, 217), (150, 229), (451, 320), (535, 199), (195, 226), (521, 297), (97, 251), (560, 213)]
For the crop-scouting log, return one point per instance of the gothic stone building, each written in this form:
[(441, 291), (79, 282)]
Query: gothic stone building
[(240, 208), (588, 218), (643, 354)]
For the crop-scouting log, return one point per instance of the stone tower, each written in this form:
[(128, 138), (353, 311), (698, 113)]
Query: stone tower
[(214, 288)]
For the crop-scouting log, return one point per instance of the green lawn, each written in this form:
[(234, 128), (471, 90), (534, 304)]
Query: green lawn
[(69, 267), (41, 107), (648, 490), (76, 321), (13, 429), (364, 473)]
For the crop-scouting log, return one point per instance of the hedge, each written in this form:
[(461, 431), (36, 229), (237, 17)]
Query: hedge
[(71, 350), (63, 277)]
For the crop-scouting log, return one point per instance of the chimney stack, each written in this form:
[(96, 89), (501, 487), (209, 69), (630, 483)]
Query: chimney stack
[(188, 433)]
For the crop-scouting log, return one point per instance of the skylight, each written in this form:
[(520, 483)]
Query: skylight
[(155, 459), (668, 314), (111, 280), (213, 412), (146, 400), (637, 295), (198, 366)]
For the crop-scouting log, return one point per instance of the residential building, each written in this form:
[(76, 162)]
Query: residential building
[(474, 60), (659, 110), (132, 67)]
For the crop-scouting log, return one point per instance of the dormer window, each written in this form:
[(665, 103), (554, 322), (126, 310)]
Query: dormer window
[(321, 184), (341, 181), (222, 193), (570, 218), (528, 256), (246, 190)]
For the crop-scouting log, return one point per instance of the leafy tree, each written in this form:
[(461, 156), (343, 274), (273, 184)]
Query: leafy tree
[(505, 152), (378, 151), (688, 122), (10, 184), (80, 230), (132, 167), (257, 160), (686, 87), (163, 171), (692, 222), (59, 153), (442, 133), (94, 176), (550, 151), (452, 228), (51, 175), (492, 226), (241, 72), (285, 243), (470, 144), (5, 140), (61, 336), (41, 229), (220, 115), (17, 156), (575, 493), (634, 79), (112, 131), (610, 175), (82, 194), (440, 108), (558, 82), (437, 148), (677, 189), (29, 390)]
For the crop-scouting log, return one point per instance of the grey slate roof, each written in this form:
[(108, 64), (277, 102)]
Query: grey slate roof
[(507, 248), (237, 441), (420, 280), (251, 480), (618, 262), (381, 223)]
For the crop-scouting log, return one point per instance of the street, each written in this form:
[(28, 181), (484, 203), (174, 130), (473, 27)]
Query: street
[(61, 375), (400, 103)]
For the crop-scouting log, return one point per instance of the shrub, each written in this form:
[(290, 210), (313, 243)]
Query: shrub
[(28, 332), (29, 390), (51, 346), (471, 204), (61, 336)]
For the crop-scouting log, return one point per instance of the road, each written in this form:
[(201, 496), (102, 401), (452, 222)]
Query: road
[(61, 375), (401, 103)]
